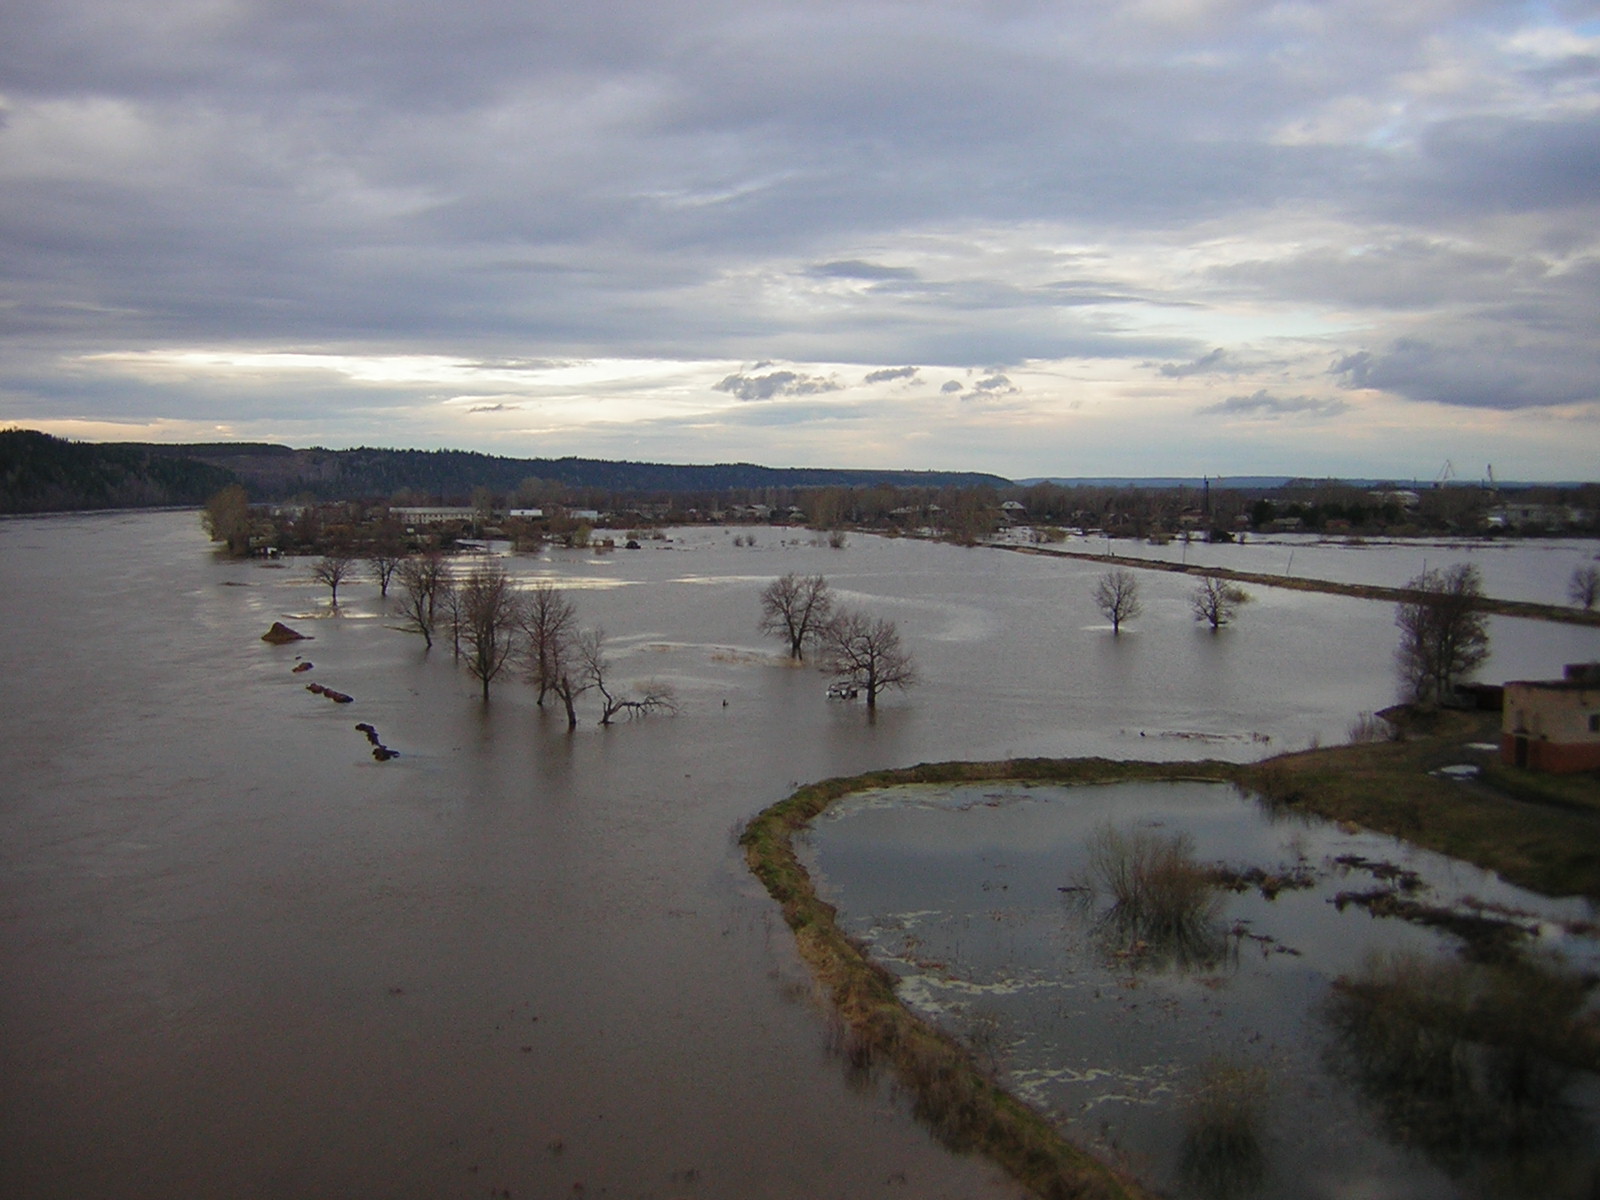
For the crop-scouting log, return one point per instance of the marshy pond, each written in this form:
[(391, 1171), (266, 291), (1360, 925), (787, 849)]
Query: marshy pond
[(1230, 1003)]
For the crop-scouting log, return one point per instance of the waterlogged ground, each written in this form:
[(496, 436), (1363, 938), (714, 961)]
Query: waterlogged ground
[(982, 900)]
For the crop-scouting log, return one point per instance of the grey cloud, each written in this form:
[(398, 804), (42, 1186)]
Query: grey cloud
[(777, 383), (951, 386), (1394, 271), (889, 374), (1264, 405), (483, 408), (1511, 164), (1206, 364), (856, 269), (1493, 373), (514, 181), (996, 383)]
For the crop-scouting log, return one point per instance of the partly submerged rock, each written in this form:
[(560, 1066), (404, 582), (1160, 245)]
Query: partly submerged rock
[(281, 634)]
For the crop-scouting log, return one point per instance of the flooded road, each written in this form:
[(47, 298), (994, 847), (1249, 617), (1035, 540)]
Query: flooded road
[(242, 958)]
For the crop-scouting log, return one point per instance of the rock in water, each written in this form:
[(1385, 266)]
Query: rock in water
[(280, 634)]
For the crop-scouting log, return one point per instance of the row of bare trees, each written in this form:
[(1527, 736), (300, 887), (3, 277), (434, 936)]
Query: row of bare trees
[(495, 625), (863, 653), (1214, 601), (1444, 633)]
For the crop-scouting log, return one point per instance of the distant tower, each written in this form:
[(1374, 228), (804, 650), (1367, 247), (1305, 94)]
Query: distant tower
[(1205, 499)]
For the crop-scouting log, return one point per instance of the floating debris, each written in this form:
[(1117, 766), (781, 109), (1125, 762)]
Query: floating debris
[(302, 667), (336, 697), (379, 751)]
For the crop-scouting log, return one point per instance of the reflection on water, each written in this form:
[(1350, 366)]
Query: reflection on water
[(1221, 1156), (1222, 1043), (1163, 904), (1475, 1066)]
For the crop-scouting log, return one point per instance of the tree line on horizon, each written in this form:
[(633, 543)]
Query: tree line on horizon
[(40, 473)]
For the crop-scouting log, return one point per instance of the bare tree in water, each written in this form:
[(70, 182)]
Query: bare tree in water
[(866, 654), (1117, 596), (549, 625), (490, 610), (1216, 601), (424, 580), (589, 651), (332, 570), (796, 608)]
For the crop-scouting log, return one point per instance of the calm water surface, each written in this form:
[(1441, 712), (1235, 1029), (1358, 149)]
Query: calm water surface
[(242, 958)]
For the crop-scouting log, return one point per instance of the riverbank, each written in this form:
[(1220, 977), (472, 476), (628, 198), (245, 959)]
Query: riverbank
[(1536, 832), (1365, 591)]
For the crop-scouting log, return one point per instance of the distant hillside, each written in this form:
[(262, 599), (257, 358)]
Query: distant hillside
[(39, 473)]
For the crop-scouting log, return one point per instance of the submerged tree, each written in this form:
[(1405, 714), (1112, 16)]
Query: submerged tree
[(489, 611), (549, 623), (1117, 596), (796, 608), (332, 570), (866, 654), (1216, 601), (1444, 635), (424, 580), (593, 666), (1583, 589), (385, 555)]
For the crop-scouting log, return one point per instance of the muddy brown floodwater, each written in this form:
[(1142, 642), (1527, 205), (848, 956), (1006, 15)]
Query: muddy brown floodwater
[(240, 957)]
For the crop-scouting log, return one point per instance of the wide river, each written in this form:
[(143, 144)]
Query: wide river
[(239, 957)]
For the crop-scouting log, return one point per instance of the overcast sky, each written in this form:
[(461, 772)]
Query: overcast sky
[(1219, 237)]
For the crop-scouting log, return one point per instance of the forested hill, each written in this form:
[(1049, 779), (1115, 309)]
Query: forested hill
[(39, 473)]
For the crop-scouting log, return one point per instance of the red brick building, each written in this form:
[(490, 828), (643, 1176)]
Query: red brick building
[(1553, 725)]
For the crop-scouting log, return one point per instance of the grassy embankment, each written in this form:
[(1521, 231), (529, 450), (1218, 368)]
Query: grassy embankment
[(1540, 833)]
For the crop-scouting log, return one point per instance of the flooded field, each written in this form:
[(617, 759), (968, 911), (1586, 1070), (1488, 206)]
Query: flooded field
[(1207, 1047), (241, 957)]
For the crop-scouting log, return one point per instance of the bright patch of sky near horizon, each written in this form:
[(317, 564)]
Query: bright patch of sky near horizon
[(1164, 237)]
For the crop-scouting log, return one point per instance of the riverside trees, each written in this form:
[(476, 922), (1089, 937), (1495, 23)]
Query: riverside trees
[(227, 519), (1444, 635)]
